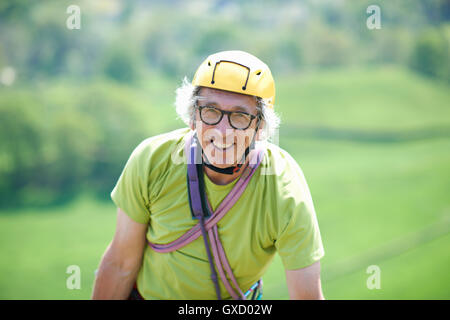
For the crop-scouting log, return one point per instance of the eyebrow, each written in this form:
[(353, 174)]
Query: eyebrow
[(234, 108)]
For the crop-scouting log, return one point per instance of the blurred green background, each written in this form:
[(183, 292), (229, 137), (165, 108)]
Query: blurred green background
[(365, 113)]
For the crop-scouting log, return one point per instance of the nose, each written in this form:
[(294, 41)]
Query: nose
[(222, 131), (224, 126)]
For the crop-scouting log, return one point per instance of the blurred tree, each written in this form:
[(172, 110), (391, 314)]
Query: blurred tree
[(120, 126), (2, 57), (55, 143), (431, 55), (15, 10), (436, 11), (327, 48), (216, 38), (21, 140), (121, 65), (161, 51), (49, 48)]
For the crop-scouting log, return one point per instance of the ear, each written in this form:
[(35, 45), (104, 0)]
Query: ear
[(259, 134)]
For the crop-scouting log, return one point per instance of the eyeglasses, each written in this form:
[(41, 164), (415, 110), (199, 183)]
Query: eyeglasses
[(238, 120)]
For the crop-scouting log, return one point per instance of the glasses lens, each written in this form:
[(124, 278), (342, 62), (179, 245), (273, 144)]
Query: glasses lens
[(210, 115), (240, 120)]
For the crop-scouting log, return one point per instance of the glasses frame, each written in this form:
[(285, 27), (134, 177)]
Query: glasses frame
[(228, 113)]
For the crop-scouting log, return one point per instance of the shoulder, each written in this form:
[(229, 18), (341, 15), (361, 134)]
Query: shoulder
[(279, 163), (161, 147), (285, 174)]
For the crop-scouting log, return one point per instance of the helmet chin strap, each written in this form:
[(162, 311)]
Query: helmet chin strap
[(227, 170), (233, 169)]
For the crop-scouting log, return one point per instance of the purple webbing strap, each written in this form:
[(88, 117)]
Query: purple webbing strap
[(193, 182), (223, 259), (218, 262)]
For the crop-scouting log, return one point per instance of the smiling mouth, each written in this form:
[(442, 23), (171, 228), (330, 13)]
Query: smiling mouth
[(221, 146)]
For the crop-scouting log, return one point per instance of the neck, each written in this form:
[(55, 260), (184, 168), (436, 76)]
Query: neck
[(221, 178)]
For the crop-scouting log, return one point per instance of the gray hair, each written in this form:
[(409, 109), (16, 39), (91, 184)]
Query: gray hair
[(187, 97)]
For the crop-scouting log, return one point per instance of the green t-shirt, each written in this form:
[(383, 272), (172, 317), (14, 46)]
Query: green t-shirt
[(274, 214)]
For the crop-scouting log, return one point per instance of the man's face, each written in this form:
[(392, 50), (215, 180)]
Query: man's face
[(222, 144)]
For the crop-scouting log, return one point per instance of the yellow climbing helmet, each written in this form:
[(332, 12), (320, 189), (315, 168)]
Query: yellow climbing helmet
[(237, 71)]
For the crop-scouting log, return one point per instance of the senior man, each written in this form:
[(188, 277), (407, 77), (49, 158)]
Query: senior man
[(209, 226)]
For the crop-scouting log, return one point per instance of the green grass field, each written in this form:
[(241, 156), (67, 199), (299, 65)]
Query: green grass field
[(379, 201)]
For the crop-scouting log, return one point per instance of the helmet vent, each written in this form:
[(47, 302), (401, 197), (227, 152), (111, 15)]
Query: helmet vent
[(248, 71)]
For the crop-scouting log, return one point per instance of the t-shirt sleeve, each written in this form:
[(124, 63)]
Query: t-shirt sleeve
[(131, 190), (299, 242)]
